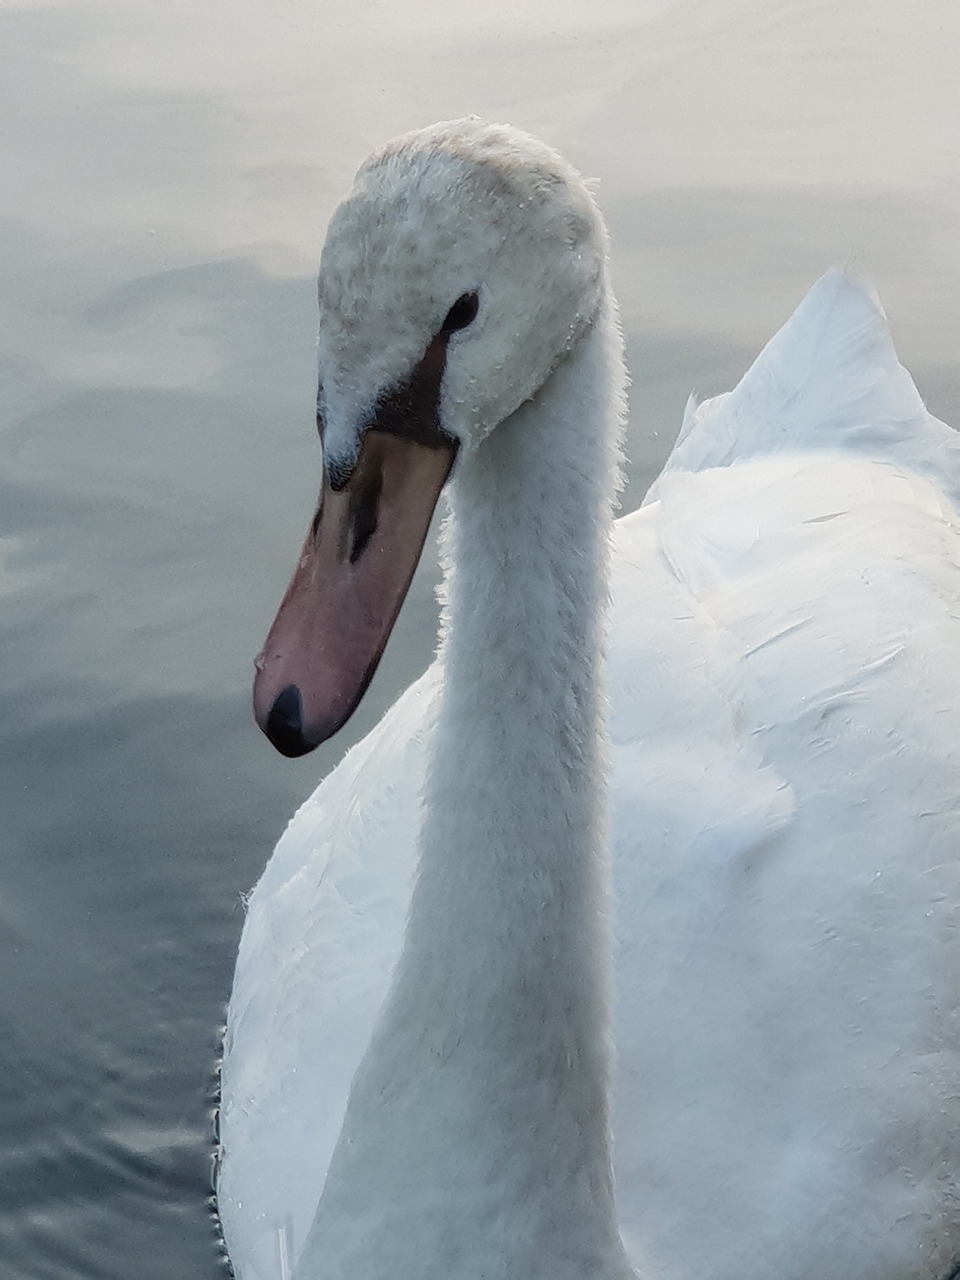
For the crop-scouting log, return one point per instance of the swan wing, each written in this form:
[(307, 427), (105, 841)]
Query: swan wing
[(828, 379), (786, 698)]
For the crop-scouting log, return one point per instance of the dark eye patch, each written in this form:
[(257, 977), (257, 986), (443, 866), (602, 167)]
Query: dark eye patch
[(463, 312)]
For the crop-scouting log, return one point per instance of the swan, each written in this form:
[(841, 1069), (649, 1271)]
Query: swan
[(478, 1027)]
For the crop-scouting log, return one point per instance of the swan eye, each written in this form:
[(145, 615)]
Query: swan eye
[(463, 312)]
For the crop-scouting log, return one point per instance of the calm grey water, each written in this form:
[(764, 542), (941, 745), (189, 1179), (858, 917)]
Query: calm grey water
[(166, 176)]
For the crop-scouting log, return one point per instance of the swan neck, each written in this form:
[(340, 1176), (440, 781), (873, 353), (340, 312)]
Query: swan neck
[(488, 1071)]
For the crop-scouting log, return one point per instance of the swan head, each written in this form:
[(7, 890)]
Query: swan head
[(464, 265)]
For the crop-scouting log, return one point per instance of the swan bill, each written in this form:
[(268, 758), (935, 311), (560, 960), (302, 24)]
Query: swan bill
[(353, 574)]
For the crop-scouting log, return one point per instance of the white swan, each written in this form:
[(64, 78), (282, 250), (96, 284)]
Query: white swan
[(427, 1099)]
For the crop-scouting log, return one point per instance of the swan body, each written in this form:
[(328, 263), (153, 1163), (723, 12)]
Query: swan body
[(417, 1077)]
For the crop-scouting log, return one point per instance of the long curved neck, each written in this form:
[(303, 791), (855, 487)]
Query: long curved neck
[(476, 1137)]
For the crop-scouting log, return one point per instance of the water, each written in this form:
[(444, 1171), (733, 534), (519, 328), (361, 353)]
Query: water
[(167, 173)]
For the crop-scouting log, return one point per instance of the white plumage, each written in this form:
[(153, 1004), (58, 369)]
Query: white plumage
[(784, 720)]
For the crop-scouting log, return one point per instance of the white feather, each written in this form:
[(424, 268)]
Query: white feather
[(784, 696)]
